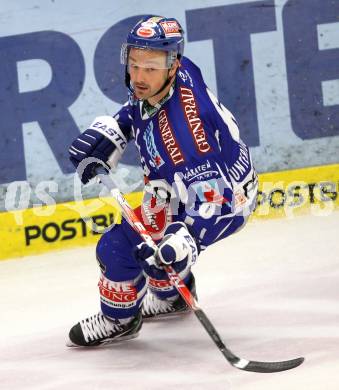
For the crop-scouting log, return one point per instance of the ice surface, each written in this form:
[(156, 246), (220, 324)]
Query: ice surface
[(272, 292)]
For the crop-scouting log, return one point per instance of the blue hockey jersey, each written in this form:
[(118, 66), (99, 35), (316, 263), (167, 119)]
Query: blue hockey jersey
[(192, 154)]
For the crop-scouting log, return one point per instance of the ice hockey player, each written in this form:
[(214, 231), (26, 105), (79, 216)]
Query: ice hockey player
[(200, 184)]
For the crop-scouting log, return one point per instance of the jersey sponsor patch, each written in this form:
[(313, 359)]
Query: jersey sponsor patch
[(200, 172), (194, 122), (169, 140), (242, 166), (156, 160), (171, 28)]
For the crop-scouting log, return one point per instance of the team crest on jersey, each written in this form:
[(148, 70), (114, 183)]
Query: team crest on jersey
[(186, 76), (156, 160)]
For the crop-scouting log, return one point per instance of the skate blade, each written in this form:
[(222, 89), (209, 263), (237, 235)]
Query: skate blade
[(166, 316), (104, 343)]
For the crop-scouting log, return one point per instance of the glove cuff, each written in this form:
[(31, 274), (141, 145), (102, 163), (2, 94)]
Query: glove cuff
[(174, 227), (109, 127)]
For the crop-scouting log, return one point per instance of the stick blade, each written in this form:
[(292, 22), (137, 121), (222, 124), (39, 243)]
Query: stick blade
[(267, 367)]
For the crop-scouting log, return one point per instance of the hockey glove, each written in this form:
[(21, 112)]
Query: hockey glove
[(104, 141), (178, 248)]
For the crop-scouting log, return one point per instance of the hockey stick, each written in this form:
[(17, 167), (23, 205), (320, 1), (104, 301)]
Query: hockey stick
[(235, 361)]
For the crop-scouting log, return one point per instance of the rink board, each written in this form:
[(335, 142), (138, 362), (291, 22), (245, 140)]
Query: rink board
[(283, 194)]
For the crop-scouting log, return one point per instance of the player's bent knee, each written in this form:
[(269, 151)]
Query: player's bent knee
[(114, 255)]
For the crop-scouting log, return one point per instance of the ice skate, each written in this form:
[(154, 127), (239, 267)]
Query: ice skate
[(153, 307), (99, 330)]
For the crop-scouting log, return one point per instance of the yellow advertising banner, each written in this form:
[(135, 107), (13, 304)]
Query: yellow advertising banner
[(284, 194)]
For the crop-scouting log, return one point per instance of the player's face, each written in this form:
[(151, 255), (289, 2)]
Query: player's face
[(148, 72)]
